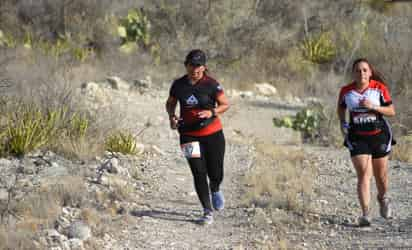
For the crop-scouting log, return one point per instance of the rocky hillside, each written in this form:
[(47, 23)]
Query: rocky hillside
[(148, 201)]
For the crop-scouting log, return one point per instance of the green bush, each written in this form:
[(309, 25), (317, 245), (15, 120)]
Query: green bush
[(319, 49), (122, 142)]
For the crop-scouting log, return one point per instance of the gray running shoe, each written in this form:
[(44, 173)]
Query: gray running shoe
[(207, 218), (385, 207), (364, 221), (218, 200)]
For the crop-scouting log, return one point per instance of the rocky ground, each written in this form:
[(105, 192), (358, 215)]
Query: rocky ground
[(148, 201)]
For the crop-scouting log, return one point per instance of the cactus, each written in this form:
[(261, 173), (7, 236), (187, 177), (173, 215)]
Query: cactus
[(134, 28)]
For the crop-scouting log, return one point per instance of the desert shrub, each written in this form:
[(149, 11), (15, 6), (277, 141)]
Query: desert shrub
[(122, 142), (120, 192), (307, 121), (316, 122), (29, 128), (280, 178), (79, 124), (402, 151), (382, 6), (45, 203), (17, 239), (7, 40), (319, 48), (63, 47)]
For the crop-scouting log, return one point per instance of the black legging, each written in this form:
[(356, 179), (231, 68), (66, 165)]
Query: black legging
[(210, 164)]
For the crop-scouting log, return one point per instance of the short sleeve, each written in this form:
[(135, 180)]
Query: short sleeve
[(218, 89), (341, 98), (172, 91), (386, 99)]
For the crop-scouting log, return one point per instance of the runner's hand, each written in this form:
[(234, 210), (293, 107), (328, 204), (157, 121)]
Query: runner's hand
[(204, 114), (173, 122), (365, 103), (344, 129)]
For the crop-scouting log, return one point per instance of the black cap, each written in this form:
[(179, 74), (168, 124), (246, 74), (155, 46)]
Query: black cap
[(196, 58)]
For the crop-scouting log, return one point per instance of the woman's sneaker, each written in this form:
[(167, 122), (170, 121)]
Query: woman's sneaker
[(218, 200), (207, 218), (385, 207), (364, 221)]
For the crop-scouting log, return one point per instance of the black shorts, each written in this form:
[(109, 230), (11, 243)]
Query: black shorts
[(378, 145)]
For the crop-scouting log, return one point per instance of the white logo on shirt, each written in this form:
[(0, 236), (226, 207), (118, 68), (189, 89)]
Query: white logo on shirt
[(192, 100), (364, 118)]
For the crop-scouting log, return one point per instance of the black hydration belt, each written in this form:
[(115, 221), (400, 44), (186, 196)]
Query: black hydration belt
[(182, 128)]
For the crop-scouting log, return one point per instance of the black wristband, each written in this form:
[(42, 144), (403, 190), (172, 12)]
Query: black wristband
[(213, 112)]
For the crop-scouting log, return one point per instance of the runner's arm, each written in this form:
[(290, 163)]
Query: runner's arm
[(171, 109), (171, 106), (222, 104), (341, 114), (384, 110)]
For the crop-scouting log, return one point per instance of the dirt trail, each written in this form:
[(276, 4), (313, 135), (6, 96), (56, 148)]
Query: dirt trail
[(166, 216)]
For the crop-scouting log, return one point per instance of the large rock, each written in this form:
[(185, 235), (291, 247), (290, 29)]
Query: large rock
[(143, 85), (118, 84), (54, 171), (95, 95), (110, 180), (266, 89)]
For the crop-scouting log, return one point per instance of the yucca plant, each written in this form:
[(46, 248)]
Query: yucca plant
[(319, 49), (3, 134), (80, 54), (122, 142), (78, 126), (28, 128), (7, 40), (28, 40)]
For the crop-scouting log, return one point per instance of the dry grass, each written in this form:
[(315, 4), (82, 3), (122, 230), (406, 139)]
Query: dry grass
[(90, 216), (281, 179), (402, 151), (58, 92), (17, 239), (80, 148), (44, 205), (68, 191), (120, 192)]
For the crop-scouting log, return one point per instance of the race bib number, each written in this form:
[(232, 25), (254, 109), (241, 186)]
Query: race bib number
[(364, 119), (191, 149)]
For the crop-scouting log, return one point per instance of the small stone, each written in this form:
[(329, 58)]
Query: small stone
[(4, 195), (79, 230)]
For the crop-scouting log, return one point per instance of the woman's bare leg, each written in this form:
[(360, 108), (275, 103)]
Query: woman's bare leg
[(363, 166), (380, 171)]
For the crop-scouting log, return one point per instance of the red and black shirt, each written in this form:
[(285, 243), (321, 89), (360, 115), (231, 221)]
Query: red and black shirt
[(194, 98), (362, 120)]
